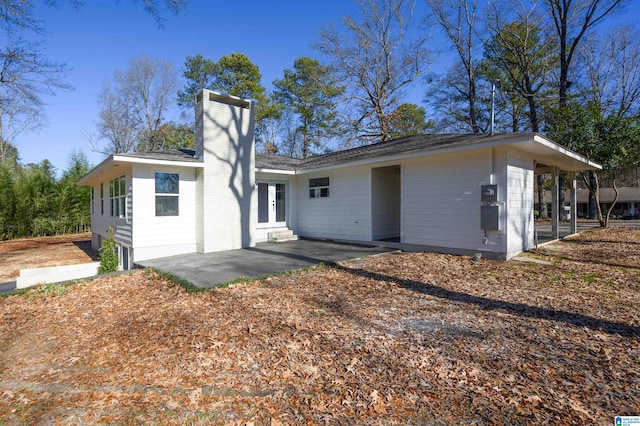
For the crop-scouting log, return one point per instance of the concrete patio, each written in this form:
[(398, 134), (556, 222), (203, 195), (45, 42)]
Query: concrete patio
[(206, 270)]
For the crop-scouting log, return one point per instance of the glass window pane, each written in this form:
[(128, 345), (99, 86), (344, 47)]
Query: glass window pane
[(280, 203), (263, 203), (166, 205), (122, 185), (324, 192), (167, 183), (323, 181)]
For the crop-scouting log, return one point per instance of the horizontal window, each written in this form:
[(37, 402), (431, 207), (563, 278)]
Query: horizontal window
[(166, 205), (167, 183), (319, 187), (316, 182)]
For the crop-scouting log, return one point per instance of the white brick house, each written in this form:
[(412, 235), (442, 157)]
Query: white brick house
[(457, 193)]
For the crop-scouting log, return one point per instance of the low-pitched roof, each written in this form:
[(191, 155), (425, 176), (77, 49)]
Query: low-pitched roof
[(180, 157), (277, 162), (416, 144), (165, 155), (540, 147)]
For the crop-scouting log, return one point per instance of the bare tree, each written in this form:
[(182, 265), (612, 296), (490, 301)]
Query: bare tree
[(458, 20), (150, 84), (571, 20), (117, 124), (132, 111), (16, 117), (612, 67), (373, 54)]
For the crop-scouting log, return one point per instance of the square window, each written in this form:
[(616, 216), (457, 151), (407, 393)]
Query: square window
[(166, 205)]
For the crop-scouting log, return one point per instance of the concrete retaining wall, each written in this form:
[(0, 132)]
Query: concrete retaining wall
[(56, 274)]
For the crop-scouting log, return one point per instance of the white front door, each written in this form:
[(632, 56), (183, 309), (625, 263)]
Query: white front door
[(272, 203)]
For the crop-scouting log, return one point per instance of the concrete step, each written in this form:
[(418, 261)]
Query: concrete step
[(281, 236), (284, 239)]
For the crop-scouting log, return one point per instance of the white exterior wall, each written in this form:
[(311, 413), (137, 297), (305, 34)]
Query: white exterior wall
[(226, 187), (441, 200), (100, 222), (345, 214), (519, 226), (160, 236)]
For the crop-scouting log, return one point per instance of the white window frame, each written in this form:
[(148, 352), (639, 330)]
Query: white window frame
[(118, 197), (317, 189), (167, 194)]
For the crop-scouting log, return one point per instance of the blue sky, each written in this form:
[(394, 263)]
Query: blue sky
[(104, 35)]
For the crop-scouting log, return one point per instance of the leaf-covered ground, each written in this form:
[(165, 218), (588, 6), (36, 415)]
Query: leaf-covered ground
[(403, 338), (44, 251)]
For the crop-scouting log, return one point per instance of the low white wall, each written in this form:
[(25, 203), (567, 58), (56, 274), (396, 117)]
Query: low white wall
[(55, 274)]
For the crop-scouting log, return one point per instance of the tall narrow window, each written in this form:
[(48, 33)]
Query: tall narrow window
[(167, 194), (93, 200), (102, 198), (117, 196)]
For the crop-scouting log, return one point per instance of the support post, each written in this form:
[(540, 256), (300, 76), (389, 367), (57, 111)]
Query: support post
[(554, 203), (574, 203)]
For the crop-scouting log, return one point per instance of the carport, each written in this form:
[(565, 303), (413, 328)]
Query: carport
[(553, 161), (209, 269)]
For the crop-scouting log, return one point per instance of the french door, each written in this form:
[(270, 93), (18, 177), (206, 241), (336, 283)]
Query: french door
[(272, 203)]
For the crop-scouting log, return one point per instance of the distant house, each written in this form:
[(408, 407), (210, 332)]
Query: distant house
[(455, 193), (627, 206)]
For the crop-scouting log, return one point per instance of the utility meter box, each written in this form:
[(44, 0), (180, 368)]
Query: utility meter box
[(489, 218), (489, 193)]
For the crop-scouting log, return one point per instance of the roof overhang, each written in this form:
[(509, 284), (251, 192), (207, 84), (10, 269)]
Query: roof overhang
[(555, 155), (110, 164), (275, 171), (541, 149)]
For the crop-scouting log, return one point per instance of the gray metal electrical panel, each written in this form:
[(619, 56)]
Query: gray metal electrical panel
[(489, 218)]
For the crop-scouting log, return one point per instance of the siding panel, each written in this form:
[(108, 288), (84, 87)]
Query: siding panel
[(519, 202), (441, 201), (164, 235), (345, 214)]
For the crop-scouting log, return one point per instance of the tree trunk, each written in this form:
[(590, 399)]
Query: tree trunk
[(542, 205), (593, 210), (472, 104), (594, 185), (561, 185), (615, 200)]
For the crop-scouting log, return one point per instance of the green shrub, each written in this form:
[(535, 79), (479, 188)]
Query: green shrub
[(108, 255)]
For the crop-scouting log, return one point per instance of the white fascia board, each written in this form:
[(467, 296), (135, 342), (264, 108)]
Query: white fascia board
[(115, 159), (138, 160), (566, 151), (276, 171), (86, 179)]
